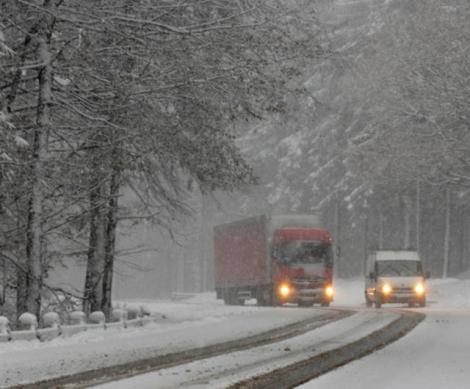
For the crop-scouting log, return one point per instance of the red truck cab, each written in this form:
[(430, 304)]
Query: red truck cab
[(303, 266)]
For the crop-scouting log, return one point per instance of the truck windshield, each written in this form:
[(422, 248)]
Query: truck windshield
[(399, 268), (304, 252)]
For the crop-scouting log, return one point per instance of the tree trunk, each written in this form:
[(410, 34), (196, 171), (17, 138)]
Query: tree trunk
[(465, 242), (406, 223), (93, 293), (4, 281), (462, 231), (201, 287), (336, 234), (33, 281), (106, 304), (446, 236), (381, 230), (21, 284), (180, 274), (366, 243), (418, 215)]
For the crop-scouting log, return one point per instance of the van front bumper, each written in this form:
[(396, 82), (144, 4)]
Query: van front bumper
[(401, 298)]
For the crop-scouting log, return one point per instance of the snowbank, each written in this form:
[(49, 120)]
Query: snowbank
[(449, 293), (180, 326)]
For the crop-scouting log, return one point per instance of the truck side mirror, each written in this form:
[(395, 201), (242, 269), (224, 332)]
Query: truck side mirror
[(427, 275)]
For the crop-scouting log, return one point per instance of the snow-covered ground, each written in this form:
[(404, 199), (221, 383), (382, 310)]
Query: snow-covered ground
[(434, 355), (183, 325), (219, 372), (441, 343)]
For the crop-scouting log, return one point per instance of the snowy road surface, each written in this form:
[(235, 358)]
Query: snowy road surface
[(184, 325), (436, 354), (224, 370)]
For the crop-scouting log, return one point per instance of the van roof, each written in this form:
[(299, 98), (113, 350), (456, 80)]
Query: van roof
[(402, 255)]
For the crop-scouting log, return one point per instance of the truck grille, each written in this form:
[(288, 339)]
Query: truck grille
[(402, 290), (302, 283)]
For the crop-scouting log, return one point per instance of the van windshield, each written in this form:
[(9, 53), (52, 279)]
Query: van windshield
[(399, 268), (302, 251)]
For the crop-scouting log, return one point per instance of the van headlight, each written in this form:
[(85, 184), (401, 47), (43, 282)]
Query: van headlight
[(419, 289), (386, 289)]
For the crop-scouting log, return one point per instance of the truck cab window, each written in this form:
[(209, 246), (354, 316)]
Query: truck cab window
[(303, 252)]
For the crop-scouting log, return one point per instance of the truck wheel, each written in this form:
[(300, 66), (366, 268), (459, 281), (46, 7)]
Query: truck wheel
[(264, 298), (368, 301), (231, 297), (325, 303), (411, 304), (275, 302), (378, 302), (225, 296), (422, 302)]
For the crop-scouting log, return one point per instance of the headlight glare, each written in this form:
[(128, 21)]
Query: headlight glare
[(284, 290), (329, 291), (419, 288), (386, 288)]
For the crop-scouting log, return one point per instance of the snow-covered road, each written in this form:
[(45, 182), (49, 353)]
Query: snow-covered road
[(436, 354), (228, 369)]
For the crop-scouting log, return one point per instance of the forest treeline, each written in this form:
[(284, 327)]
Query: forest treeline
[(359, 109), (97, 96), (379, 138)]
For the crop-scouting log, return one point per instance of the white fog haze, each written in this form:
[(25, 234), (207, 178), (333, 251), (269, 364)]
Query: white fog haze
[(234, 194)]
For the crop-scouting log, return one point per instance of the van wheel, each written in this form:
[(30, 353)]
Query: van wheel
[(378, 302), (368, 301)]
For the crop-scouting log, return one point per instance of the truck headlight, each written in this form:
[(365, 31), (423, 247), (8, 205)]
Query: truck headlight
[(386, 289), (419, 289), (329, 291), (284, 290)]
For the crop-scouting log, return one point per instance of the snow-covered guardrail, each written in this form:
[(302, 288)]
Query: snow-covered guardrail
[(52, 327)]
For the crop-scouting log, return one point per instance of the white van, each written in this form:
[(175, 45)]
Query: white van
[(395, 276)]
